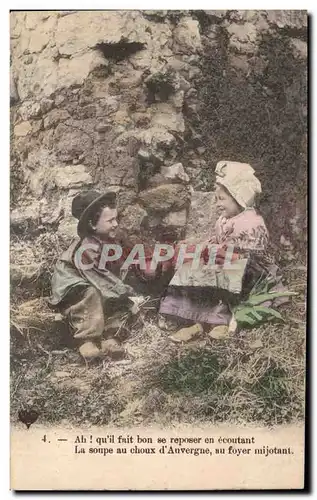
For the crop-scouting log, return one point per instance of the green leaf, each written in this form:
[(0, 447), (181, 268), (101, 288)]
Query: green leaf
[(269, 311), (256, 315), (259, 286), (242, 316), (263, 297)]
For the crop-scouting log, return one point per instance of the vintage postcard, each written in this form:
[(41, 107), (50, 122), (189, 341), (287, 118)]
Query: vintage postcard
[(158, 249)]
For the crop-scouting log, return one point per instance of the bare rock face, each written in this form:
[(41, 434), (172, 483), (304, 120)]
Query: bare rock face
[(110, 100), (14, 96), (242, 37), (176, 219), (54, 117), (287, 18), (175, 172), (132, 219), (71, 176), (202, 216), (187, 37), (299, 48), (71, 143), (22, 129), (165, 198)]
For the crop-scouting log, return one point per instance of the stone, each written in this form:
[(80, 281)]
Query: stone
[(155, 14), (129, 81), (59, 99), (46, 76), (294, 19), (71, 176), (122, 117), (125, 197), (14, 96), (242, 37), (28, 59), (54, 117), (175, 219), (177, 99), (175, 172), (144, 155), (299, 48), (36, 127), (239, 62), (22, 129), (132, 218), (142, 119), (178, 65), (67, 229), (103, 127), (85, 112), (165, 198), (29, 109), (155, 140), (68, 35), (187, 37), (258, 64), (157, 180), (107, 106), (38, 41), (220, 14), (51, 211), (169, 120), (25, 215), (255, 17), (70, 142), (202, 216)]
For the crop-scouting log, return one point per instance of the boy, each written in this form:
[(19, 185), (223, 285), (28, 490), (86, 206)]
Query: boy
[(85, 292)]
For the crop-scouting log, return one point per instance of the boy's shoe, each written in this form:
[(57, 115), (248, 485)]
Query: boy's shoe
[(187, 334), (89, 351), (219, 332), (112, 348)]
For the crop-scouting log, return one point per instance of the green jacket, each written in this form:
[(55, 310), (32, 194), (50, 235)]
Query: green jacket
[(67, 276)]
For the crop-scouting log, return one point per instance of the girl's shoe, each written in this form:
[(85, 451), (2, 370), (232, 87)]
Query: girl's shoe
[(219, 332)]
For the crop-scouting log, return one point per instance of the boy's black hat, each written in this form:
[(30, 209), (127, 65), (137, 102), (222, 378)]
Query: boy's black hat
[(84, 205)]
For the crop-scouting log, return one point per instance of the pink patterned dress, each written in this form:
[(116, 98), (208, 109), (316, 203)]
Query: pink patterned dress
[(249, 236)]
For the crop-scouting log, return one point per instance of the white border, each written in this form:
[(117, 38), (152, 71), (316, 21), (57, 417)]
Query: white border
[(4, 185)]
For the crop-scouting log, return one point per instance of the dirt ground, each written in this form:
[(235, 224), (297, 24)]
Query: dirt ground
[(257, 375)]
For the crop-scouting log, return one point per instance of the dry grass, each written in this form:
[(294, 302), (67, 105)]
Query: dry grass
[(256, 376)]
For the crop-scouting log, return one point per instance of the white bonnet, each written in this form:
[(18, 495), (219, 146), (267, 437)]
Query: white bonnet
[(239, 180)]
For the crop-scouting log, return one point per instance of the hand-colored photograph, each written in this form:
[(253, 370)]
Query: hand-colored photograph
[(158, 215)]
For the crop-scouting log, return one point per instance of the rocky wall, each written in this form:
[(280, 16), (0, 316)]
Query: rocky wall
[(146, 103)]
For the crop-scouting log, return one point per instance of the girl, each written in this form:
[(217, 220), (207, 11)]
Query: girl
[(241, 227)]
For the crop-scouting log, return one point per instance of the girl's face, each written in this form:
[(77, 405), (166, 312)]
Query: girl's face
[(107, 224), (226, 204)]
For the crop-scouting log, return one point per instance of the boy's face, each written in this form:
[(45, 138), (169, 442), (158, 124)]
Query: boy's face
[(226, 204), (107, 223)]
